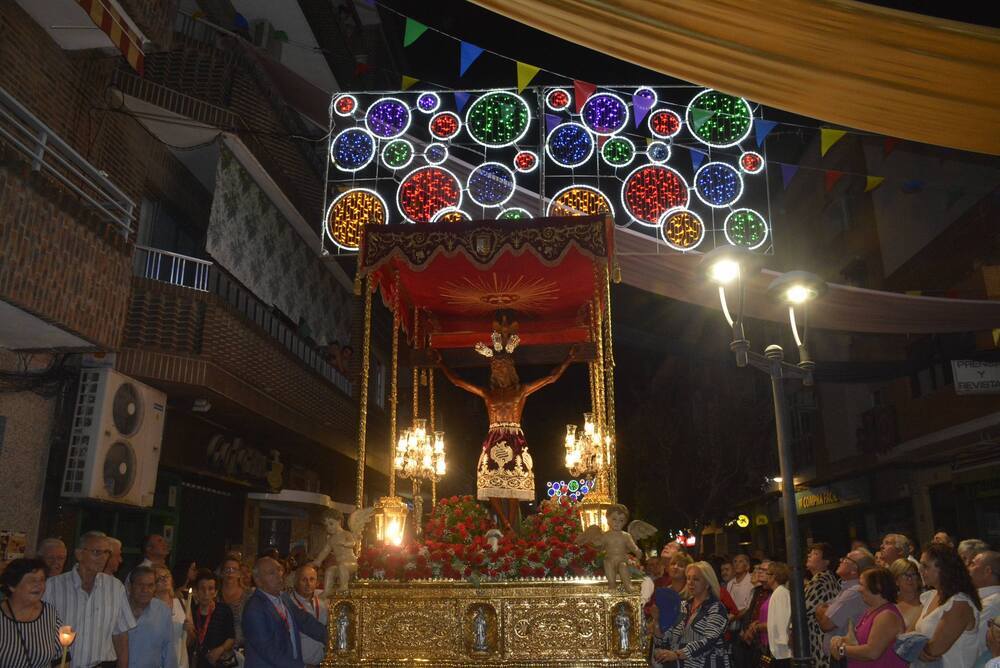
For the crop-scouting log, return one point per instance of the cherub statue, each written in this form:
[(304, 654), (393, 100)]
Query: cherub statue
[(342, 543), (617, 543)]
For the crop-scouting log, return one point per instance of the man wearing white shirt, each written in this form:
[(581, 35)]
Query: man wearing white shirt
[(94, 604), (985, 573), (304, 597), (155, 549)]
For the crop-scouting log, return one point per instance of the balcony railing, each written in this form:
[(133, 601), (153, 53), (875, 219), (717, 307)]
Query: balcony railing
[(49, 153), (197, 274)]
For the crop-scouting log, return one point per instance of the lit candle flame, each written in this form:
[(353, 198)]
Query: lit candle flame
[(66, 635)]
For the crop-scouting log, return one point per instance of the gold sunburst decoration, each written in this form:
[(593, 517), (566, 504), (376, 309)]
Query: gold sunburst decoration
[(487, 294)]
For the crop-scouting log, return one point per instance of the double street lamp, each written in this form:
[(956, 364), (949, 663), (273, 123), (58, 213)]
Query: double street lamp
[(729, 267)]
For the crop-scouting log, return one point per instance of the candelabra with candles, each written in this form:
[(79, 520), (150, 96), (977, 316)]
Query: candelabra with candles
[(588, 455), (420, 456)]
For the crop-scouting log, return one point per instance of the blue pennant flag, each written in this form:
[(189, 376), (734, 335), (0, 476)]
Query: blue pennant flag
[(469, 53), (787, 172), (551, 121), (697, 157), (762, 129), (461, 97)]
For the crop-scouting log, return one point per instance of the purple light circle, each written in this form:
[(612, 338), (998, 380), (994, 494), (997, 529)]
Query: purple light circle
[(605, 113), (388, 118), (428, 102)]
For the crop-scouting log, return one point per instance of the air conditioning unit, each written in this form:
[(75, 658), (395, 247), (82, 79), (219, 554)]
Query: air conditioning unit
[(114, 446)]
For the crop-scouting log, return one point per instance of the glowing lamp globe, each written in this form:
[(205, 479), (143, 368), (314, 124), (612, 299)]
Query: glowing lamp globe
[(796, 288), (390, 520)]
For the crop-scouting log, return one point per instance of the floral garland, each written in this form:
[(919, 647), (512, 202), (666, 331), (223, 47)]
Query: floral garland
[(455, 548)]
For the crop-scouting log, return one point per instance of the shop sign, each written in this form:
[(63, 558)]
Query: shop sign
[(236, 459), (830, 497), (760, 520), (976, 377)]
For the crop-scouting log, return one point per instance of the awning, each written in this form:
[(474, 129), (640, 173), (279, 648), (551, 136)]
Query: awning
[(107, 16), (647, 264)]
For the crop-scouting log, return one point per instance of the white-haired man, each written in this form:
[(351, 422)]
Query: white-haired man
[(303, 596), (53, 552), (115, 558), (897, 546)]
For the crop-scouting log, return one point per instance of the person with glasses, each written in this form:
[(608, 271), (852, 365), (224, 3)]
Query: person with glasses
[(234, 592), (151, 642), (180, 614), (908, 591), (848, 606), (95, 605), (754, 634), (985, 573), (950, 617)]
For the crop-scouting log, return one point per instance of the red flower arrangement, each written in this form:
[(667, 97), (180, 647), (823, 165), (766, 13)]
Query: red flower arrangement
[(455, 547)]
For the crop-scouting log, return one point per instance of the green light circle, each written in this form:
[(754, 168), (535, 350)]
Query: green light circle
[(746, 228), (573, 485), (514, 213), (618, 151), (719, 120), (397, 154), (497, 119)]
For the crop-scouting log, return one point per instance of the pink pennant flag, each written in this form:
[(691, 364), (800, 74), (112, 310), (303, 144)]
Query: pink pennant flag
[(582, 92)]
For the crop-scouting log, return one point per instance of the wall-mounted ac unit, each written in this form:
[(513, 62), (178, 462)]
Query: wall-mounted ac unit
[(114, 447)]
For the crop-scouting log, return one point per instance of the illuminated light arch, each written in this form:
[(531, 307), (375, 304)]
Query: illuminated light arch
[(444, 125), (557, 99), (351, 211), (425, 191), (729, 124), (352, 149), (650, 190), (664, 123), (572, 142), (435, 154), (398, 154), (526, 161), (514, 213), (487, 184), (658, 152), (345, 105), (718, 184), (579, 200), (604, 114), (751, 162), (747, 228), (498, 119), (682, 229), (428, 102), (388, 118), (618, 152), (451, 214)]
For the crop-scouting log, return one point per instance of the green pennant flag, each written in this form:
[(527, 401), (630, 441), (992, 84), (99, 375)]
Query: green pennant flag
[(407, 82), (700, 116), (413, 31), (828, 137), (873, 182)]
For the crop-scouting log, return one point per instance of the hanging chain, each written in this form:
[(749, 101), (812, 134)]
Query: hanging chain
[(363, 393), (394, 388)]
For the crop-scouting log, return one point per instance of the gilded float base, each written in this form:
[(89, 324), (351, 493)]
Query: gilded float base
[(439, 623)]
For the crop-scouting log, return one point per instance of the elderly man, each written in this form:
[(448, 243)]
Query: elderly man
[(848, 606), (95, 604), (943, 538), (271, 628), (115, 558), (155, 550), (304, 597), (897, 546), (969, 548), (151, 643), (53, 552), (985, 573)]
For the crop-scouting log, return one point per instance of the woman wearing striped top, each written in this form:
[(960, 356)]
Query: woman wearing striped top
[(29, 627), (697, 639)]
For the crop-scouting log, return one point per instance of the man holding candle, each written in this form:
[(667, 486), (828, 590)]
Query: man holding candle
[(94, 604)]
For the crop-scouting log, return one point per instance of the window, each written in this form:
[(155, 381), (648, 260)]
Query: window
[(378, 381)]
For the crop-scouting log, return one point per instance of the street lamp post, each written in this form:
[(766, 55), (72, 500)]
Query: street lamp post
[(728, 265)]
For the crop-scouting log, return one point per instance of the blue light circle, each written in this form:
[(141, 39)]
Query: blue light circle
[(718, 184), (658, 152), (551, 491), (604, 113), (352, 149), (490, 184), (569, 145), (435, 154), (388, 118)]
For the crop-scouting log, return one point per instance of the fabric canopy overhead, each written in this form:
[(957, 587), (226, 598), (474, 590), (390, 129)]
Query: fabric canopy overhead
[(850, 63), (458, 275), (647, 264)]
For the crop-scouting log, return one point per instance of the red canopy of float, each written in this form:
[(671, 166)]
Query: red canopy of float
[(457, 276)]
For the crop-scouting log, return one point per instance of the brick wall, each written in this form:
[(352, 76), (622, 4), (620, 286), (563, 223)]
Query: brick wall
[(155, 18)]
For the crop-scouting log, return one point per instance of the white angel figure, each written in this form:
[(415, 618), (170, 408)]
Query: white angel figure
[(617, 543), (343, 544)]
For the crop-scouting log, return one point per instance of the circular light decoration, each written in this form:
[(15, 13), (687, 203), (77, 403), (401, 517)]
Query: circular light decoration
[(350, 212), (451, 214), (345, 105), (718, 184), (604, 113), (752, 162), (618, 151), (425, 191), (397, 154), (579, 201), (658, 151), (444, 125), (569, 145), (648, 94), (719, 120), (664, 123), (435, 154), (746, 228), (650, 190), (498, 119), (514, 213), (682, 229), (428, 102), (352, 149), (490, 184), (525, 161), (388, 118), (557, 99)]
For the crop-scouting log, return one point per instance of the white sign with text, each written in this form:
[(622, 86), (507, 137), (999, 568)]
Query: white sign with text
[(975, 377)]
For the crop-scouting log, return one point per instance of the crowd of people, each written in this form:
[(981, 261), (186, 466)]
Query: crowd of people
[(266, 616), (887, 609)]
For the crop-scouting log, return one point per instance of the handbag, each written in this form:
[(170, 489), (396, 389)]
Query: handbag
[(228, 661)]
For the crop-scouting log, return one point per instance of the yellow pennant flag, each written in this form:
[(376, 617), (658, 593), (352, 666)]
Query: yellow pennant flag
[(828, 137), (408, 82), (525, 73), (873, 182)]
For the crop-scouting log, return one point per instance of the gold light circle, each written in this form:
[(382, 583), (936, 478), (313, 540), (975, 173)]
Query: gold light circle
[(682, 229), (579, 201), (349, 212)]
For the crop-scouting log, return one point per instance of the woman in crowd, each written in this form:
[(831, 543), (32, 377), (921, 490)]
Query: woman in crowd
[(183, 629), (696, 640), (212, 622), (821, 588), (234, 592), (776, 614), (754, 634), (878, 627), (950, 616), (677, 570), (908, 583), (29, 627)]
